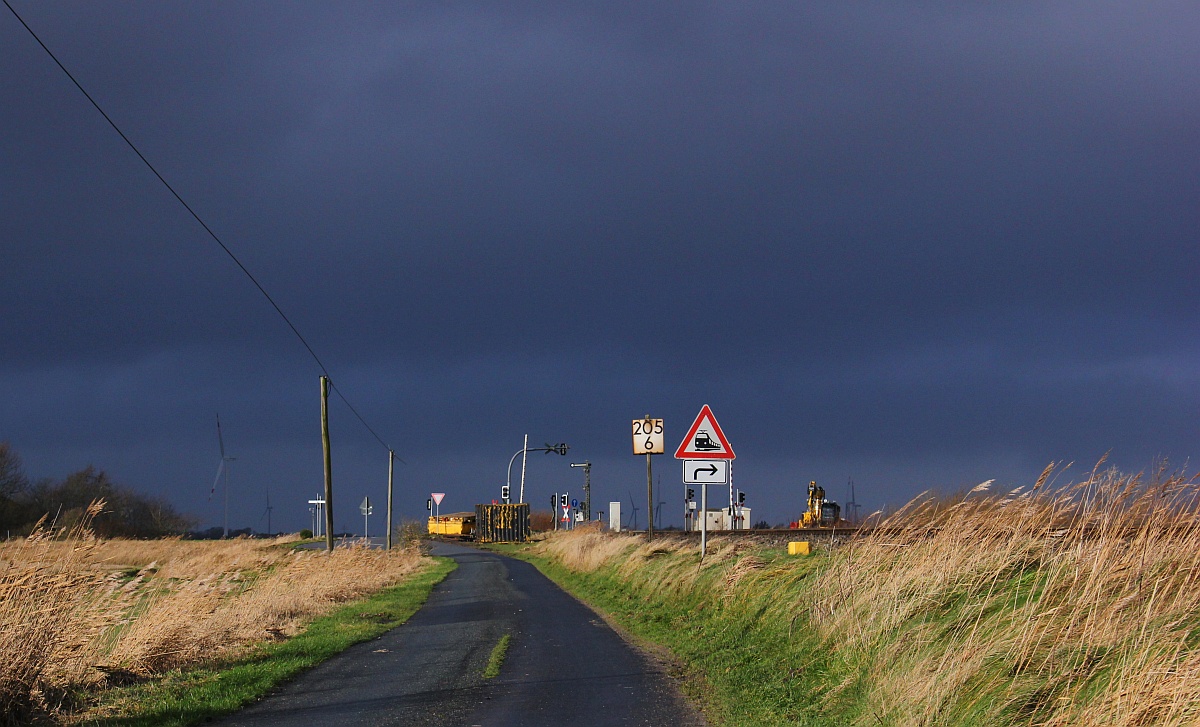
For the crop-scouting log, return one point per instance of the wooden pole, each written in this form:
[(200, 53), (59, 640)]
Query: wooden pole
[(649, 500), (328, 463), (391, 460)]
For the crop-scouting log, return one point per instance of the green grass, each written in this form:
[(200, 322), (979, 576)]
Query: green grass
[(197, 695), (496, 660)]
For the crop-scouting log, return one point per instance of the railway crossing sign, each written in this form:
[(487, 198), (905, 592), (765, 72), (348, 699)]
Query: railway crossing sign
[(706, 472), (706, 441)]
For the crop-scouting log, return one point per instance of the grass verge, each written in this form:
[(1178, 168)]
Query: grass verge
[(735, 664), (496, 660), (1069, 606), (195, 695)]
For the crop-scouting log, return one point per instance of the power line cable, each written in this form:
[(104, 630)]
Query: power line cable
[(203, 224)]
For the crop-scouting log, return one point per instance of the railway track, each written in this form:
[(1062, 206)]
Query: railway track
[(774, 536)]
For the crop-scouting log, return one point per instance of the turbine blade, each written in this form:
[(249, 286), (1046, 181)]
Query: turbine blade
[(220, 468), (220, 441)]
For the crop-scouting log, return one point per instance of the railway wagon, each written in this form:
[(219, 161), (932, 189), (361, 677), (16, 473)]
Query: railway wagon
[(455, 525), (502, 523)]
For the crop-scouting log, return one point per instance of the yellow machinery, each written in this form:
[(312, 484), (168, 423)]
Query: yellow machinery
[(821, 513), (454, 525)]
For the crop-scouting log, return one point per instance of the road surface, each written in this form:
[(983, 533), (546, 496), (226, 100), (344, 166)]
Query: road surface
[(564, 664)]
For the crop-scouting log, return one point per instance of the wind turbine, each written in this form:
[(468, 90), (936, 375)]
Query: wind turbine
[(267, 512), (222, 468), (851, 505), (658, 507), (633, 515)]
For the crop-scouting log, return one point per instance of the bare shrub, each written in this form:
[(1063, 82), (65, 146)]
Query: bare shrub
[(541, 521)]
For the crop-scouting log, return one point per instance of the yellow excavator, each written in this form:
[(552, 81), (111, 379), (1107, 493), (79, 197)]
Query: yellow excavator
[(821, 513)]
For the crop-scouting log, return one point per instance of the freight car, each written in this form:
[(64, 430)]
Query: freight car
[(502, 523), (460, 525)]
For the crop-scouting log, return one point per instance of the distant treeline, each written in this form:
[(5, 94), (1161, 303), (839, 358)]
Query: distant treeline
[(127, 514)]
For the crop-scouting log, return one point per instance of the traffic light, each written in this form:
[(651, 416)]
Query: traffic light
[(504, 492), (429, 504), (691, 495), (563, 501), (741, 498)]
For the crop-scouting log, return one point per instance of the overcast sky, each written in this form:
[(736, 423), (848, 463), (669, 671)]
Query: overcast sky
[(920, 245)]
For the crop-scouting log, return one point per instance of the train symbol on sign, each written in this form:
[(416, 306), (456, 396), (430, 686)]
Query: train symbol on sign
[(704, 442)]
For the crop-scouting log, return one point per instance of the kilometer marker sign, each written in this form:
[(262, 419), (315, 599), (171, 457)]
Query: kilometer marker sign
[(704, 439)]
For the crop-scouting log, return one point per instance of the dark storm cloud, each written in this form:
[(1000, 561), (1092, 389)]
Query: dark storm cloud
[(916, 236)]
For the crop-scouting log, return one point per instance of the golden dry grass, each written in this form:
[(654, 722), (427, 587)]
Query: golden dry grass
[(1050, 605), (77, 612), (586, 549), (1077, 606)]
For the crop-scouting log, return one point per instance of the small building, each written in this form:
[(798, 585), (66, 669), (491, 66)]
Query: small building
[(720, 518)]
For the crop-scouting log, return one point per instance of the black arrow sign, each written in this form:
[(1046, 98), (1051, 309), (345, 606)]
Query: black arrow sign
[(711, 470)]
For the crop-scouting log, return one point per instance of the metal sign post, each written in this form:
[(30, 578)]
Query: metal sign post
[(437, 503), (318, 511), (707, 457), (366, 508)]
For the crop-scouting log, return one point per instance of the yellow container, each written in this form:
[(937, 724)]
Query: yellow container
[(455, 525), (799, 547)]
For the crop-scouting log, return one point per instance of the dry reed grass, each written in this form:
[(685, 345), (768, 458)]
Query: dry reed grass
[(78, 612), (1054, 605), (1070, 606), (586, 549)]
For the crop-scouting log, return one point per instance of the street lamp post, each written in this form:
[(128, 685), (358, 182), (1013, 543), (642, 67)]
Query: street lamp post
[(560, 448)]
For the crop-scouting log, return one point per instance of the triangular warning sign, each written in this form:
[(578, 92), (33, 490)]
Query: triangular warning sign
[(704, 439)]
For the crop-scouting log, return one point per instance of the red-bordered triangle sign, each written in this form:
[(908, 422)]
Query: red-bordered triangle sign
[(437, 497), (704, 439)]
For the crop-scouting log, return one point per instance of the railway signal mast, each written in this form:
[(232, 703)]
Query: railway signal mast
[(587, 487)]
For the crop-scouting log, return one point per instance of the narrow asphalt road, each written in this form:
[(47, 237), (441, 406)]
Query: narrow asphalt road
[(564, 664)]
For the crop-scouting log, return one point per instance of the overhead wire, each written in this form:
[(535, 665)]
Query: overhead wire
[(203, 224)]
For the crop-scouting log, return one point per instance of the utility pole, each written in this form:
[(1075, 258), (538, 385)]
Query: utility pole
[(391, 461), (328, 463)]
